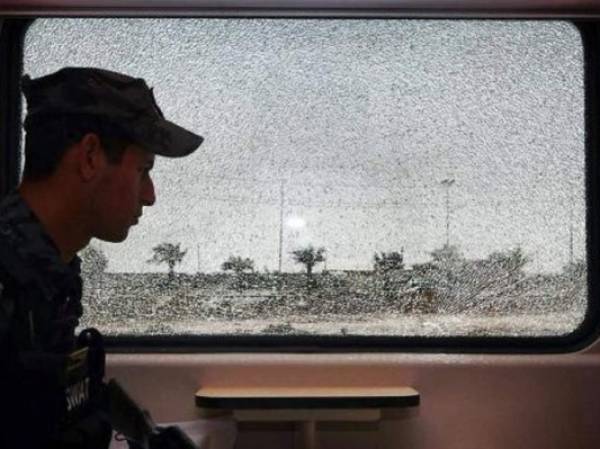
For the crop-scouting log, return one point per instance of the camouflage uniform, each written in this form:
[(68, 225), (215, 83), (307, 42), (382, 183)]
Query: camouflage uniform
[(51, 390), (40, 307)]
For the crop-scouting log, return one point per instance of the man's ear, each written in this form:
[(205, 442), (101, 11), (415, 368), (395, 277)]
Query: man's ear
[(91, 158)]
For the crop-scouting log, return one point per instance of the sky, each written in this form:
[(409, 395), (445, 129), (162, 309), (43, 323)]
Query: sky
[(340, 133)]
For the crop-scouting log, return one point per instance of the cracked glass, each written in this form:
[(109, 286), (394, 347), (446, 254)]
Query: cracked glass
[(358, 177)]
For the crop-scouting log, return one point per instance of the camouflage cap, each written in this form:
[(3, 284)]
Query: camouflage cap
[(121, 99)]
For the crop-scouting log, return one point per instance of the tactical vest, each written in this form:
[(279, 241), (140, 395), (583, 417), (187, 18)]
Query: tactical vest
[(50, 382)]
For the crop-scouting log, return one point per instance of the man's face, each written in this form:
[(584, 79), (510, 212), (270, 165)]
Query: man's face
[(123, 190)]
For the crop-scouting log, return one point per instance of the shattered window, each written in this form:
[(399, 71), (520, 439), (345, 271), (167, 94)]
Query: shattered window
[(358, 177)]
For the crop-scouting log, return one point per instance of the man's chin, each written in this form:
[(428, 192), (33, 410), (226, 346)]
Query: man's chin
[(113, 237)]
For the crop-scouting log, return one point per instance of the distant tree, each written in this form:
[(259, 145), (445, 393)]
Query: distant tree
[(499, 275), (169, 254), (385, 264), (573, 289), (447, 256), (510, 262), (93, 263), (465, 284), (447, 263), (309, 257), (239, 266), (576, 270), (388, 261)]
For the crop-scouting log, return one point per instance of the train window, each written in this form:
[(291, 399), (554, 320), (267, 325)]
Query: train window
[(397, 178)]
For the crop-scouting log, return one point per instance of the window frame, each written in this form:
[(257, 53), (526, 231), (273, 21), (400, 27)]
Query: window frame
[(12, 36)]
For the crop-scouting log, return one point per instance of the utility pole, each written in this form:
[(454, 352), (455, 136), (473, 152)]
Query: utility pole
[(447, 183), (198, 257), (571, 232), (281, 205)]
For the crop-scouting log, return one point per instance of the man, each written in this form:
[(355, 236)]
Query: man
[(91, 139)]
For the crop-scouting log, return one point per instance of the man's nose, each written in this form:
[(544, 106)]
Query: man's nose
[(148, 194)]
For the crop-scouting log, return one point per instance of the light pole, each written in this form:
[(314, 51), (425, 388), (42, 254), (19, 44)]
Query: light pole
[(281, 205), (571, 257), (198, 257), (447, 183)]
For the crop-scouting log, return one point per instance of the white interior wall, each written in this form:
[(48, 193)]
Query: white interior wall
[(467, 401)]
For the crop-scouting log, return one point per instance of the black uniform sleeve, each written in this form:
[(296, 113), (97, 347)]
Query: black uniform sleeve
[(7, 310)]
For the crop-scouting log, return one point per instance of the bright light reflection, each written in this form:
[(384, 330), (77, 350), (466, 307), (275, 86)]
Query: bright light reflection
[(295, 222)]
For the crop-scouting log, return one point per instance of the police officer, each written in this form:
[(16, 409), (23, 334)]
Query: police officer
[(91, 139)]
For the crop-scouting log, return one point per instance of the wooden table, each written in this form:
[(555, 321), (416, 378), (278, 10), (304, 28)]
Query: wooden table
[(306, 406)]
